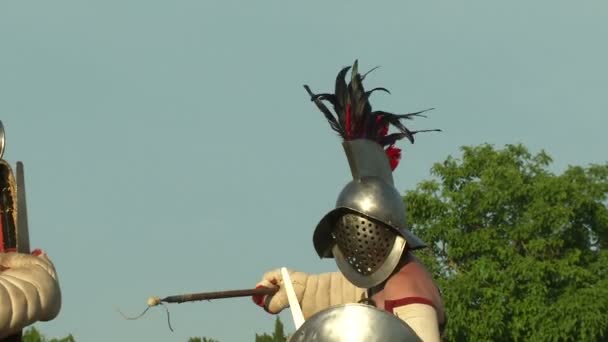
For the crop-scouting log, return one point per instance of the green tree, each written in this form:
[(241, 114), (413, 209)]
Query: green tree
[(519, 252), (33, 335), (204, 339), (277, 336)]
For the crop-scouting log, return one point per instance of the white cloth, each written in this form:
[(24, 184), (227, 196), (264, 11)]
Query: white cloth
[(29, 291), (422, 318), (315, 292)]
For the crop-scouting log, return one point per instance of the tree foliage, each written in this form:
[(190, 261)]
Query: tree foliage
[(519, 252), (277, 336), (203, 339), (33, 335)]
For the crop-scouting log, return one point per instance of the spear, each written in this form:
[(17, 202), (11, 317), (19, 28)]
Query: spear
[(296, 311), (193, 297)]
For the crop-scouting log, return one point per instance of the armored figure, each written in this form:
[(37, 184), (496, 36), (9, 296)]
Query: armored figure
[(366, 233), (29, 287)]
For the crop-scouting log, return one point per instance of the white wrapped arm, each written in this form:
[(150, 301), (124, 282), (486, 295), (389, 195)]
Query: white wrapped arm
[(315, 291), (422, 318), (29, 291), (419, 313)]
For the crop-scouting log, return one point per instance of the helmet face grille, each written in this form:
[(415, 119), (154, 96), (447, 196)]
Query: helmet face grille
[(364, 243)]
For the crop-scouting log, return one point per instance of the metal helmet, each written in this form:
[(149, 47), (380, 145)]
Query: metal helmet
[(354, 323), (366, 233)]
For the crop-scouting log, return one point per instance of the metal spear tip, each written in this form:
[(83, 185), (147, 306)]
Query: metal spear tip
[(2, 139)]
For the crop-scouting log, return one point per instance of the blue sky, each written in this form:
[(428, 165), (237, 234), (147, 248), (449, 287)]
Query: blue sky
[(169, 145)]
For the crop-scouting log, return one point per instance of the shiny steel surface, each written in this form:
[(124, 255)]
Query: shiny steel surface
[(380, 274), (367, 159), (365, 244), (2, 139), (354, 323), (372, 199)]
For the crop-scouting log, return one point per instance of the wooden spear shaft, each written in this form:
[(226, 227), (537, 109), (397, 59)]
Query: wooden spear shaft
[(193, 297)]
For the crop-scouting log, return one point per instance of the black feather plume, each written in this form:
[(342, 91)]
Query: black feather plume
[(353, 117), (328, 115)]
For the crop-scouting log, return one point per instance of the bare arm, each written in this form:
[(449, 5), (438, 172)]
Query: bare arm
[(412, 296)]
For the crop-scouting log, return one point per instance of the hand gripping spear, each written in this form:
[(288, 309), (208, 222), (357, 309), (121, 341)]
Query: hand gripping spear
[(193, 297), (296, 311), (14, 234)]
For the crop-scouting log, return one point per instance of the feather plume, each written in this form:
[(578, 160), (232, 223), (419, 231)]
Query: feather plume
[(328, 115), (369, 72), (353, 117)]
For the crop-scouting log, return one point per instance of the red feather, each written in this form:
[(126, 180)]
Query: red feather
[(394, 156), (382, 130)]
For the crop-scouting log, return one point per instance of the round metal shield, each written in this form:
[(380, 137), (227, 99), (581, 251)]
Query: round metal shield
[(354, 323)]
